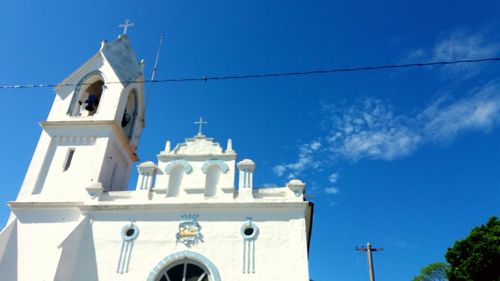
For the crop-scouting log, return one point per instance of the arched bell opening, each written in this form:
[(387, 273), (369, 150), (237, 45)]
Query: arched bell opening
[(130, 114), (87, 96)]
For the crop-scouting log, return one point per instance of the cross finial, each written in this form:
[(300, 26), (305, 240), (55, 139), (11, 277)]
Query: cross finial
[(200, 123), (126, 25)]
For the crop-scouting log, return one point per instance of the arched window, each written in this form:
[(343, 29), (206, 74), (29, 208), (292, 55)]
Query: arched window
[(87, 96), (184, 265), (185, 270), (130, 114)]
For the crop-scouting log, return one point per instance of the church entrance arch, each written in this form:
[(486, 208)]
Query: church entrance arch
[(184, 266)]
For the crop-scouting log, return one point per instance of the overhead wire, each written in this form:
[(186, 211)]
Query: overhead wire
[(266, 75)]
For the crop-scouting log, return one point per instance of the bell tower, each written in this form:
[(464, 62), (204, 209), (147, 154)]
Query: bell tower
[(90, 137)]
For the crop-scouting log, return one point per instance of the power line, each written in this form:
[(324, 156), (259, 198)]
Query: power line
[(267, 75)]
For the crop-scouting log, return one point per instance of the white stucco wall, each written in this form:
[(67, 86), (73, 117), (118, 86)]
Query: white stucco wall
[(280, 248)]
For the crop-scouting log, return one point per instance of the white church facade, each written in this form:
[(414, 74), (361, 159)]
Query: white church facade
[(188, 219)]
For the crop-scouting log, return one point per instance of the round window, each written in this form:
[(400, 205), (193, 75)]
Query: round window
[(130, 232), (249, 230)]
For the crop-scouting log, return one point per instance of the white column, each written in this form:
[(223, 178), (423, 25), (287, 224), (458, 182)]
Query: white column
[(147, 173), (297, 188), (245, 186)]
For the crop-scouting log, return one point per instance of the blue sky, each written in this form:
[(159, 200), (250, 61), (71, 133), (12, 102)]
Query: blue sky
[(406, 159)]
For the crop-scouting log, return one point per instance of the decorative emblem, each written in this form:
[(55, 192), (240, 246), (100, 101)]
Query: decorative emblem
[(189, 230)]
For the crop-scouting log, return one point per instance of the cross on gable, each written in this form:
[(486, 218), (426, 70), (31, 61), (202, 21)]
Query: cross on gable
[(200, 123), (126, 25)]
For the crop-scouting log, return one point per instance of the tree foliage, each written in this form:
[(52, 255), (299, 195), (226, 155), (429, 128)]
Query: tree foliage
[(477, 257), (433, 272)]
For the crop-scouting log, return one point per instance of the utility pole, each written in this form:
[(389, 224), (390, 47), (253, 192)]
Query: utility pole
[(368, 249)]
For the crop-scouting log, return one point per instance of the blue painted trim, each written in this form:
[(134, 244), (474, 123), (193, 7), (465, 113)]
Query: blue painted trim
[(249, 246), (221, 164), (120, 259), (187, 167), (163, 264)]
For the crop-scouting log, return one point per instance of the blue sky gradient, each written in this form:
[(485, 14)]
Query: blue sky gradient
[(406, 159)]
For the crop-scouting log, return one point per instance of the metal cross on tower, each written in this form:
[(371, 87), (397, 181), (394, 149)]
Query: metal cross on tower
[(200, 125), (126, 25), (368, 249)]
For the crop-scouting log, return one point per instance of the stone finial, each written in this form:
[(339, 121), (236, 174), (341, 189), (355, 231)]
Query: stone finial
[(167, 146), (104, 44), (142, 64), (94, 189), (148, 165), (229, 147), (246, 164), (297, 186)]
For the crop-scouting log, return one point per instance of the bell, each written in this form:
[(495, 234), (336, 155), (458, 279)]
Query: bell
[(125, 120)]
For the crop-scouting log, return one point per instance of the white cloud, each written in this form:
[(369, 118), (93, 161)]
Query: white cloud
[(279, 170), (331, 190), (445, 119), (371, 129), (458, 45), (315, 145), (333, 178), (462, 45), (306, 159)]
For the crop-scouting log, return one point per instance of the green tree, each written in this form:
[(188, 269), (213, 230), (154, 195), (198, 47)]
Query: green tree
[(433, 272), (477, 257)]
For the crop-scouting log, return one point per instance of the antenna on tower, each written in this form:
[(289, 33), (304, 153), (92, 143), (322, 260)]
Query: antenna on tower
[(157, 58), (155, 67)]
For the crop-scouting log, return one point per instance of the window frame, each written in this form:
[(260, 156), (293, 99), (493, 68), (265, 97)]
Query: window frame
[(156, 272), (184, 262), (70, 154)]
